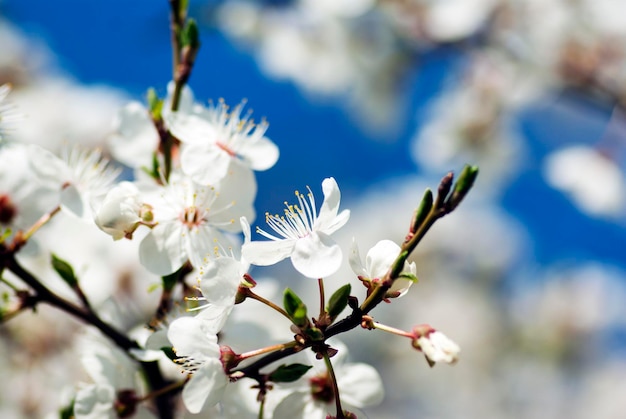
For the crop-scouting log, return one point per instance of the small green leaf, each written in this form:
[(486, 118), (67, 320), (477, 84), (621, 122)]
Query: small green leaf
[(466, 179), (64, 270), (288, 373), (338, 301), (295, 308), (422, 211), (191, 35), (291, 301)]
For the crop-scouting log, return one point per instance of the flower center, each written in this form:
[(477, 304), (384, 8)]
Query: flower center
[(191, 217), (297, 221), (8, 211), (322, 388)]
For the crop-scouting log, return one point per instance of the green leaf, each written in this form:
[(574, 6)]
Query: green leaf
[(288, 373), (291, 301), (295, 308), (338, 301), (466, 179), (64, 270), (191, 35), (422, 211)]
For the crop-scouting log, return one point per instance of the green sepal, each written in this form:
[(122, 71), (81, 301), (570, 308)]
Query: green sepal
[(338, 301), (409, 276), (155, 105), (183, 6), (170, 281), (65, 270), (288, 373), (169, 352), (314, 334), (5, 235), (67, 412), (396, 268)]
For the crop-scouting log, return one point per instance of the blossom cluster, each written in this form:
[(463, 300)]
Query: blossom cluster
[(187, 203)]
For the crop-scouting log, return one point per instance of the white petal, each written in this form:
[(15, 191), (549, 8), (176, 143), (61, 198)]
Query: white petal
[(191, 128), (95, 402), (205, 388), (316, 256), (360, 385), (380, 257), (205, 163), (162, 251), (355, 260), (137, 138), (267, 253), (259, 154), (190, 337), (330, 206), (220, 281), (299, 405)]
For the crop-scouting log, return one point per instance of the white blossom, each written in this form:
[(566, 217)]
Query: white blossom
[(215, 138), (303, 235), (378, 262)]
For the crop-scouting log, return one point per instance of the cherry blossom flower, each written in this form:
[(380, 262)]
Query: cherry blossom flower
[(122, 211), (312, 396), (116, 389), (303, 235), (136, 138), (214, 139), (377, 263), (8, 113), (196, 345), (436, 346), (23, 197), (190, 219), (83, 177), (593, 181)]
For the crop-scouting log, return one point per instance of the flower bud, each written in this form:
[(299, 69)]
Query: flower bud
[(436, 346), (122, 211)]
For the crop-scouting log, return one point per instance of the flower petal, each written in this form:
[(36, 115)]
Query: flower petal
[(205, 163), (316, 255), (259, 153), (355, 260), (360, 385), (162, 251), (206, 387), (380, 257), (267, 253), (190, 337)]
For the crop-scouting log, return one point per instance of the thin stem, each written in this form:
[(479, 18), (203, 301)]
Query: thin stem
[(43, 294), (6, 281), (261, 408), (164, 390), (266, 350), (333, 379), (320, 283), (268, 303), (40, 223), (392, 330)]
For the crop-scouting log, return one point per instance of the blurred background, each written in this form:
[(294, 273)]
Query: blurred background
[(387, 96)]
